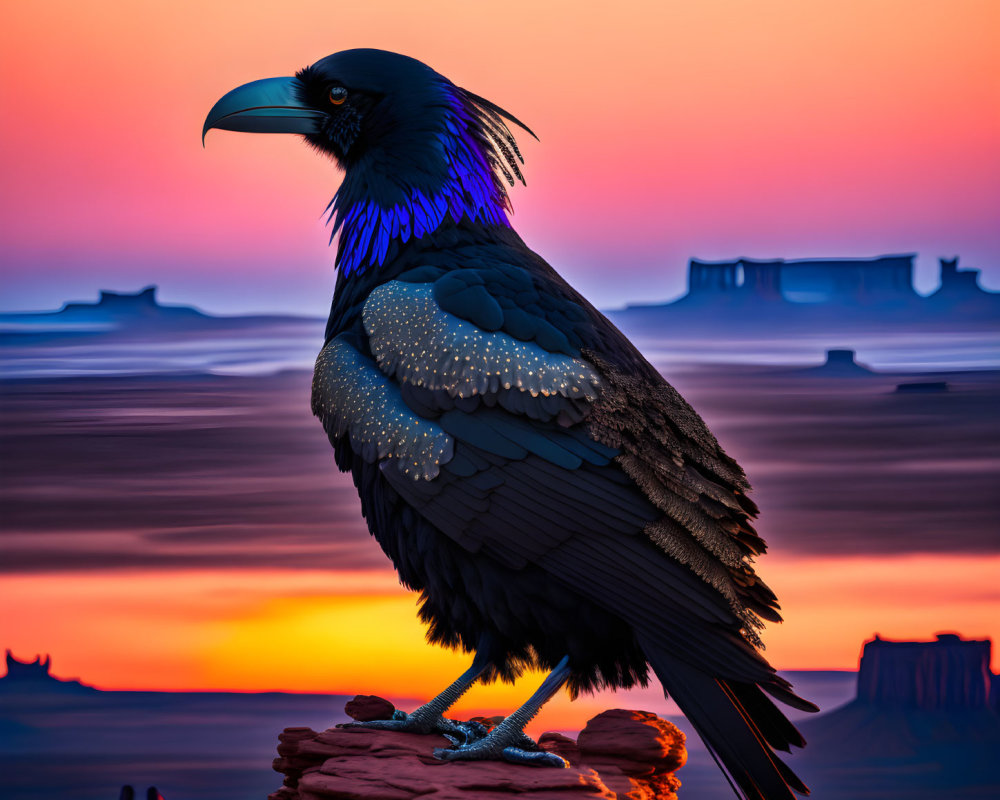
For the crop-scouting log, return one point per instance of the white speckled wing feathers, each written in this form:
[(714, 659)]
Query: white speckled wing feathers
[(351, 396), (415, 341)]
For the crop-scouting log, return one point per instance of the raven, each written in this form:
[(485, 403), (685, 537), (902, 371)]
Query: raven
[(553, 499)]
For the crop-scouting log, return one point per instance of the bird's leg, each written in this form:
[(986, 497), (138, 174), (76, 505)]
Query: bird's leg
[(507, 741), (429, 717)]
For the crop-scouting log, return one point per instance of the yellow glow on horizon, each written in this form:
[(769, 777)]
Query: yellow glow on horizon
[(832, 605), (345, 633), (329, 643)]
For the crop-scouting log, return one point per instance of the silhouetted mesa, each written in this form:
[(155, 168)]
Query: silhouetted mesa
[(128, 307), (144, 299), (828, 280), (838, 364), (957, 285), (827, 293), (30, 671), (35, 676), (111, 311), (921, 726), (142, 310), (949, 674)]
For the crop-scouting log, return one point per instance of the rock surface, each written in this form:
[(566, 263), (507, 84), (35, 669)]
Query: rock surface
[(620, 755), (366, 707)]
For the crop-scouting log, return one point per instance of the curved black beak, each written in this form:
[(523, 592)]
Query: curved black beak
[(266, 106)]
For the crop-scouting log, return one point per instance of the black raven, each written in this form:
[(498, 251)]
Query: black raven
[(553, 499)]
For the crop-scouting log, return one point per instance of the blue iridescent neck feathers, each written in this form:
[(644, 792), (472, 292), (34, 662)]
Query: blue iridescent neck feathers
[(459, 171)]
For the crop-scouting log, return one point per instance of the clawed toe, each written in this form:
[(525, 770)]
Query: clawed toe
[(401, 721), (458, 733), (480, 751), (537, 758), (491, 748), (462, 733)]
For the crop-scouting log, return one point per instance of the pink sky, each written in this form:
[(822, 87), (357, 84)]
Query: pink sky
[(668, 130)]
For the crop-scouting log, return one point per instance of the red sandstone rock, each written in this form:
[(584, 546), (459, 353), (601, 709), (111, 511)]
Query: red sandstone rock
[(366, 707), (635, 752), (625, 755), (635, 736), (560, 745)]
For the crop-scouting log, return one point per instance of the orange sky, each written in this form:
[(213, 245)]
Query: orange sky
[(358, 633)]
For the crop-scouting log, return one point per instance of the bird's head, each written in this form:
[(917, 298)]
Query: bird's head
[(415, 147)]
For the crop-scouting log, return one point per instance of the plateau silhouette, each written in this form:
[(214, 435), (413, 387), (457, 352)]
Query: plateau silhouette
[(828, 294)]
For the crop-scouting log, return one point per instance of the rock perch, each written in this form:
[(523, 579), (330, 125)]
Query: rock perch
[(620, 755)]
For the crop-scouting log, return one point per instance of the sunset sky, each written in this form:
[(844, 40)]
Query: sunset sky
[(357, 632), (667, 131)]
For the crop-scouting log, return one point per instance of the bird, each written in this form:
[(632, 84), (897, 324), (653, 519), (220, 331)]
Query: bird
[(552, 498)]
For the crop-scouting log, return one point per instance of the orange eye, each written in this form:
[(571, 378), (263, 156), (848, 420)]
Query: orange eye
[(338, 94)]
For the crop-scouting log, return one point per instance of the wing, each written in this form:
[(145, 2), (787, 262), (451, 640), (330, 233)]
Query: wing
[(538, 431)]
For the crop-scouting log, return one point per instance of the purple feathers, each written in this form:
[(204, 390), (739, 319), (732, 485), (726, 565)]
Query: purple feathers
[(475, 148)]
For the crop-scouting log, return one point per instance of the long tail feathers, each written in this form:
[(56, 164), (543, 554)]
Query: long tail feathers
[(739, 725)]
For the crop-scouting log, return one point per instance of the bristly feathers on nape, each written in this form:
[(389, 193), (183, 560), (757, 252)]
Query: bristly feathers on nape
[(480, 159)]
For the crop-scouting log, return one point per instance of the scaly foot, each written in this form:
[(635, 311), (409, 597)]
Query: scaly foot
[(457, 732), (502, 745)]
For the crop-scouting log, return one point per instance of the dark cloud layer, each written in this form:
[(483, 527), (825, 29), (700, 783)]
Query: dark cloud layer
[(234, 472)]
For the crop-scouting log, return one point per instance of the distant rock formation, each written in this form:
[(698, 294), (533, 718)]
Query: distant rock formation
[(923, 726), (620, 754), (839, 364), (135, 311), (35, 676), (821, 293), (144, 298), (112, 310), (125, 306), (854, 281), (949, 674), (960, 289), (36, 670)]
